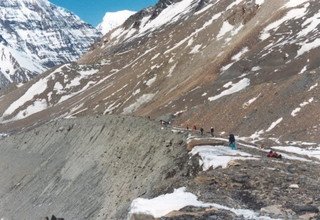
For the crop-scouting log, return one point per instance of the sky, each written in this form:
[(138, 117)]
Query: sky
[(92, 11)]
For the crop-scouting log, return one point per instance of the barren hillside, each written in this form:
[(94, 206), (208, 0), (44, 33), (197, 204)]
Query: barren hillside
[(248, 67)]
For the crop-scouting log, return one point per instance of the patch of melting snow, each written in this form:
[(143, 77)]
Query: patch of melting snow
[(35, 90), (180, 198), (260, 2), (294, 113), (256, 136), (111, 107), (313, 87), (309, 25), (235, 58), (139, 102), (303, 70), (151, 81), (219, 156), (242, 84), (37, 106), (295, 3), (169, 15), (136, 92), (256, 68), (195, 33), (171, 70), (196, 49), (225, 28), (204, 9), (310, 152), (58, 87), (248, 103), (274, 124), (291, 157), (179, 112), (155, 56), (307, 46), (295, 13), (190, 42), (3, 135)]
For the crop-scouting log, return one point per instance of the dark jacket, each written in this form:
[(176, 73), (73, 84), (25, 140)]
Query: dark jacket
[(232, 138)]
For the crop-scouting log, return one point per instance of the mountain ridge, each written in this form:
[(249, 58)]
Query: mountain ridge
[(37, 35)]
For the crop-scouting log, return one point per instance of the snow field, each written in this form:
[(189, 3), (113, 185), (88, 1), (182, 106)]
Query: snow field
[(164, 204), (38, 89), (219, 156)]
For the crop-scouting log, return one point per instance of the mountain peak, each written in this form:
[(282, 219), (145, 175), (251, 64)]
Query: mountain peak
[(112, 20), (39, 33)]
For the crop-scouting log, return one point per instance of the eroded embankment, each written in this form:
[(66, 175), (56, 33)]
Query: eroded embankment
[(89, 168)]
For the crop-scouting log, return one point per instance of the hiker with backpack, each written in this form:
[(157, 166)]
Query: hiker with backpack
[(232, 142), (201, 131), (212, 131)]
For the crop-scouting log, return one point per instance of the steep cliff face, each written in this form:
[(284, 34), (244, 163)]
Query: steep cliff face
[(37, 35)]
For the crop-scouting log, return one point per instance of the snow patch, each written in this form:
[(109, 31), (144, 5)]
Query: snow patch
[(242, 84), (218, 156), (274, 124), (196, 49), (225, 28), (303, 104), (139, 102), (313, 87), (151, 81), (248, 103), (164, 204), (292, 14)]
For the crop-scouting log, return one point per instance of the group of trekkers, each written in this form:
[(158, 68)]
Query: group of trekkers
[(232, 142), (232, 139), (202, 130)]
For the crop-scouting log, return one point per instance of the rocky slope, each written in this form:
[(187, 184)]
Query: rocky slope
[(37, 35), (247, 67), (89, 168)]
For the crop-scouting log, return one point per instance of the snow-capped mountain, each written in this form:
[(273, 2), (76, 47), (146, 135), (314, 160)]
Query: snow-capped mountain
[(112, 20), (242, 66), (36, 35)]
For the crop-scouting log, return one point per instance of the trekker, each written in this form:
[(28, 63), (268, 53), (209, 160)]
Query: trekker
[(201, 131), (194, 127), (232, 142), (212, 131)]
